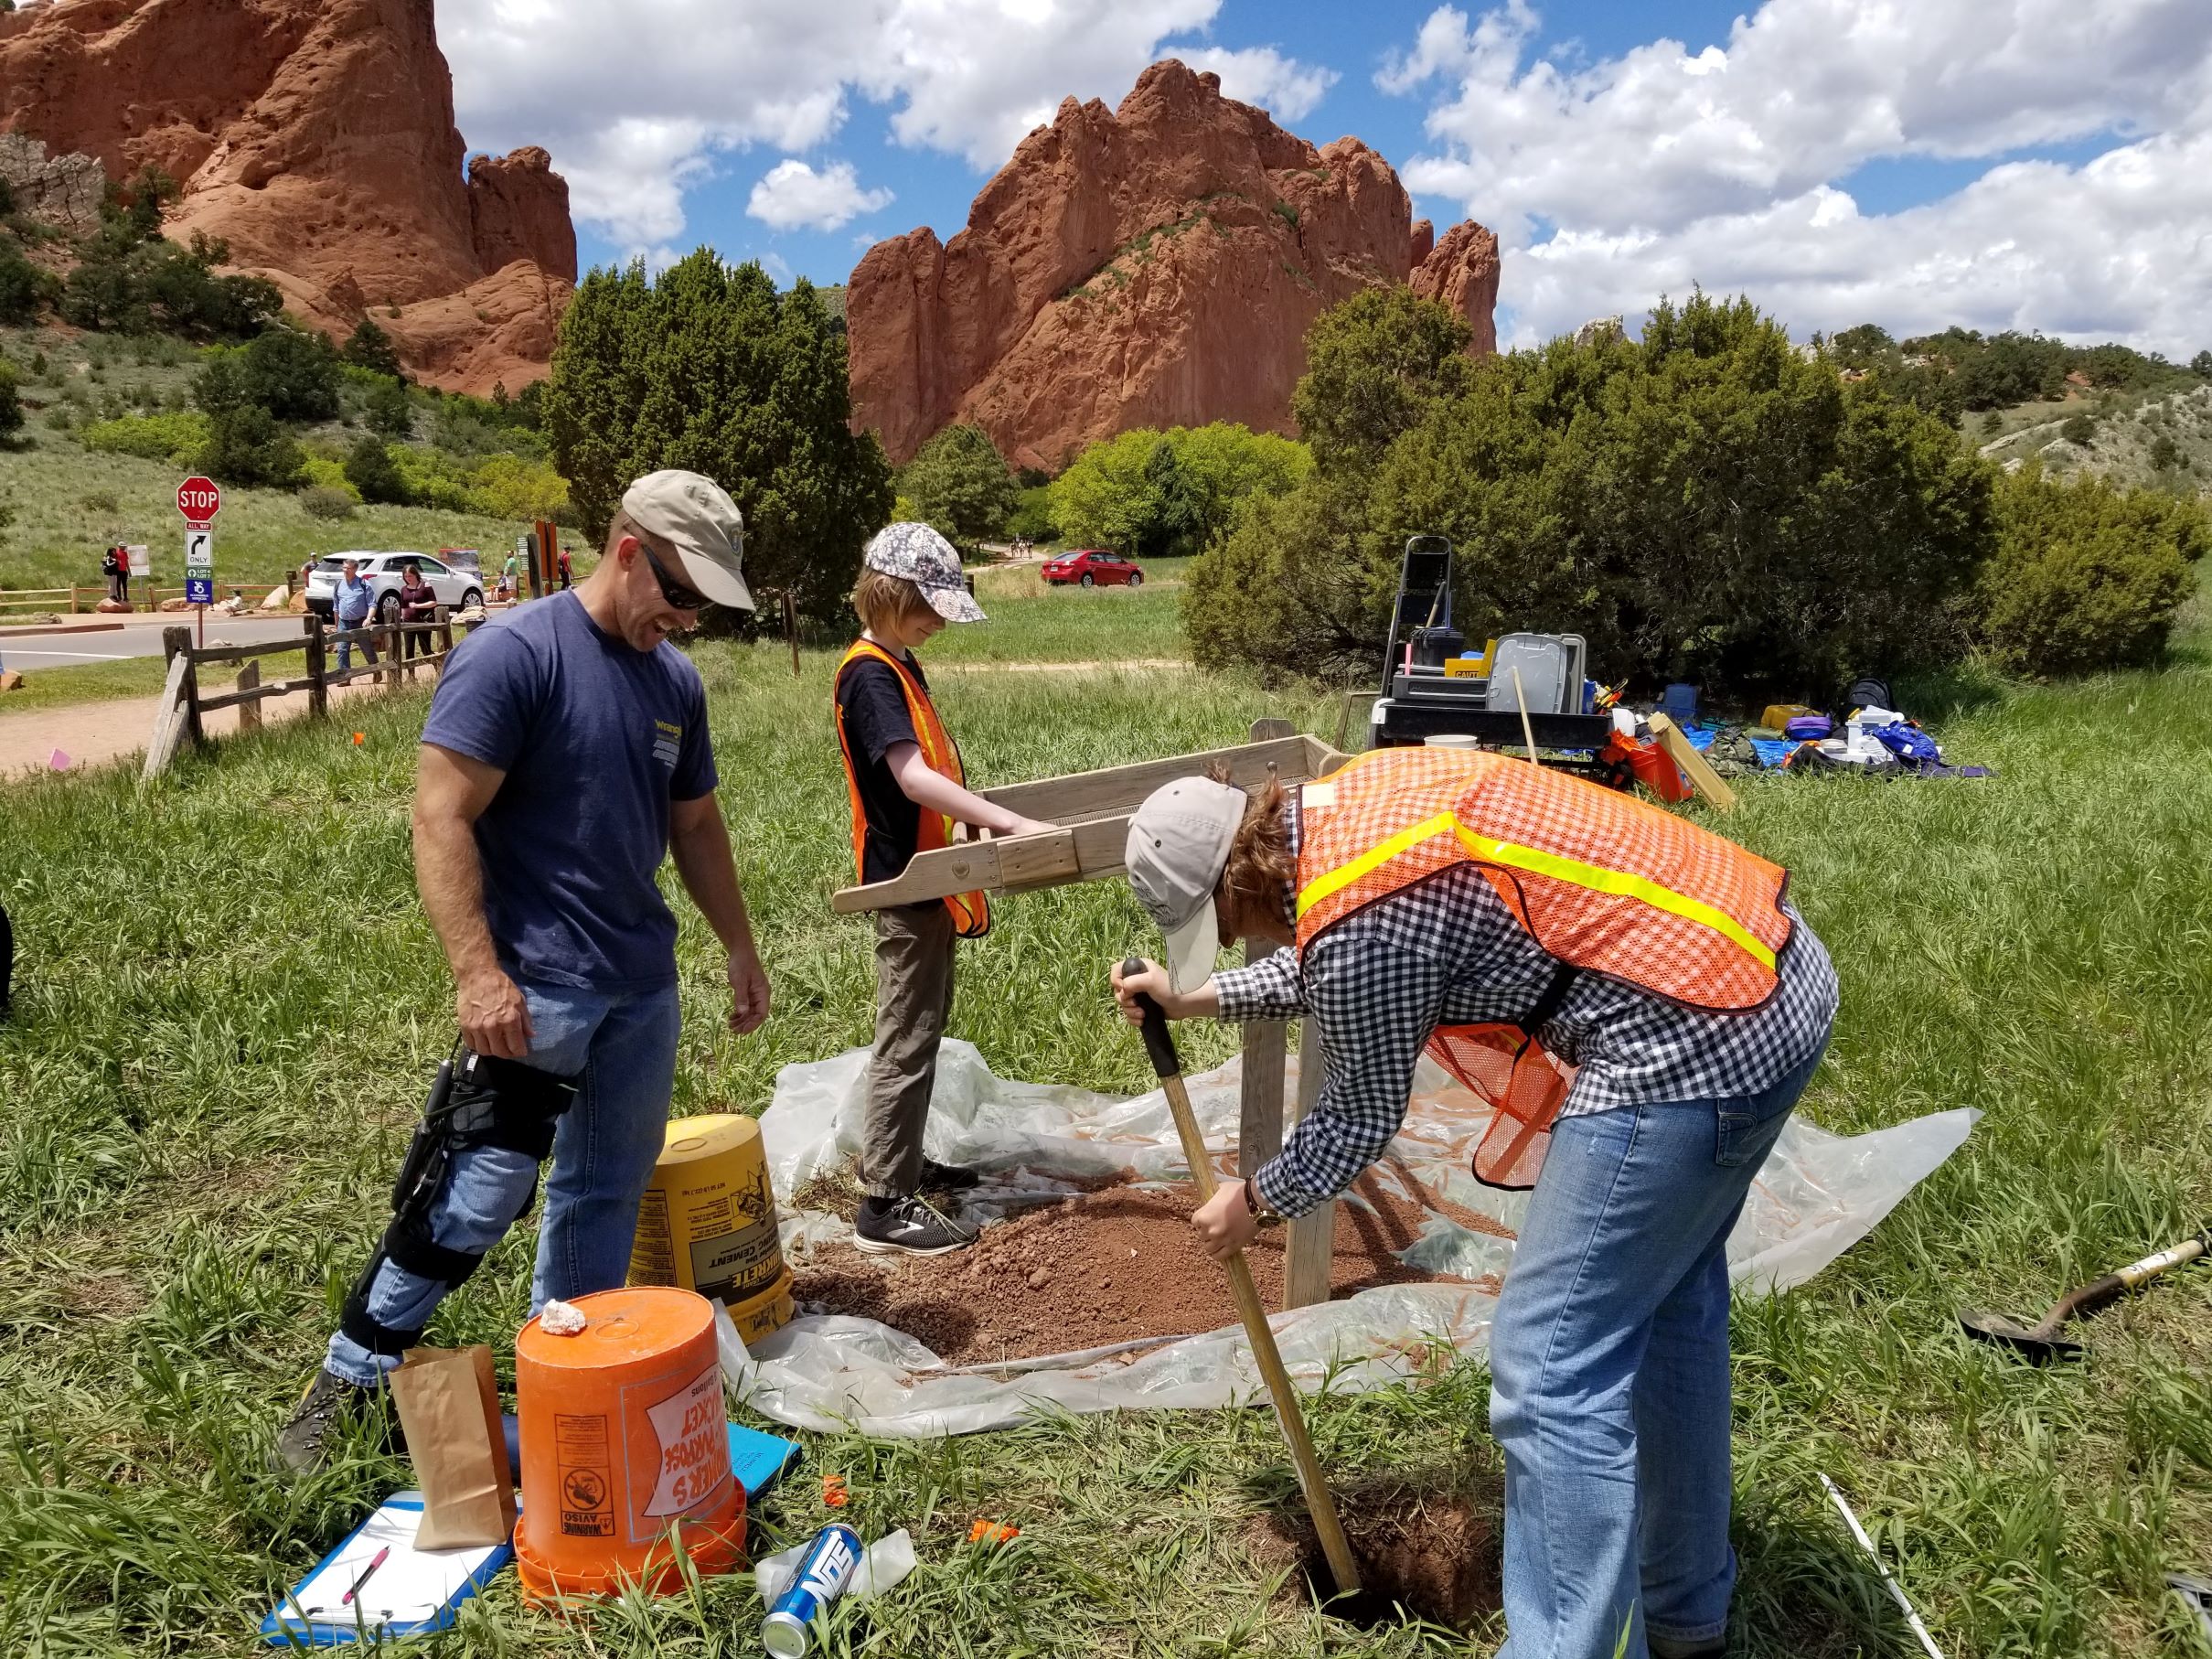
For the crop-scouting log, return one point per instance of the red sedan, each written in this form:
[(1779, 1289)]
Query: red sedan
[(1092, 567)]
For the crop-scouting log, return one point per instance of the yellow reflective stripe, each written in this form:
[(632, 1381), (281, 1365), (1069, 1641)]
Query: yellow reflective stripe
[(1599, 879), (1337, 880)]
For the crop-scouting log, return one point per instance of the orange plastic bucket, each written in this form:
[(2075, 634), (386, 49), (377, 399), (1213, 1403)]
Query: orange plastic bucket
[(625, 1448)]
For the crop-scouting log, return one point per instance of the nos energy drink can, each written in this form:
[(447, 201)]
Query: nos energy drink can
[(824, 1571)]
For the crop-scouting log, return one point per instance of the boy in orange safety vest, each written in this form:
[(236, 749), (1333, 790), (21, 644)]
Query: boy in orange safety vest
[(903, 774)]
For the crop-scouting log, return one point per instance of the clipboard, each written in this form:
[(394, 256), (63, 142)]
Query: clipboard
[(437, 1581), (415, 1590)]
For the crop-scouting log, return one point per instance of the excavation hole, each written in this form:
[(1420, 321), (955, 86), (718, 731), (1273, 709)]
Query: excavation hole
[(1426, 1550)]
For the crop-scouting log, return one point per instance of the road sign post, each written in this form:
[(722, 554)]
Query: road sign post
[(199, 501)]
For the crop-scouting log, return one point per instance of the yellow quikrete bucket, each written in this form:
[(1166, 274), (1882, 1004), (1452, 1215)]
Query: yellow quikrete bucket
[(707, 1222), (625, 1448)]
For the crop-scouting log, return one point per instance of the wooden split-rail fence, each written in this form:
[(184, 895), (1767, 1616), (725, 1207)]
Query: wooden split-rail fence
[(185, 702)]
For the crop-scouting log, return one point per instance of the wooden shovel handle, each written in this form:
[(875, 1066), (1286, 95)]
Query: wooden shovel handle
[(1160, 1047)]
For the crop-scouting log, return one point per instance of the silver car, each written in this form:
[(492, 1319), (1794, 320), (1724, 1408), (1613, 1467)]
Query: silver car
[(455, 587)]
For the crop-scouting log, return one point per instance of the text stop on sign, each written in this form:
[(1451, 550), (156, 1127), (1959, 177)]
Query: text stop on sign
[(198, 500)]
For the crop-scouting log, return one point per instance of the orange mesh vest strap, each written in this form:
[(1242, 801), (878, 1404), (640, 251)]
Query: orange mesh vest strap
[(971, 911), (1600, 881)]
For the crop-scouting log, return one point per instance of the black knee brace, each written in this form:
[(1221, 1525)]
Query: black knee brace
[(479, 1100)]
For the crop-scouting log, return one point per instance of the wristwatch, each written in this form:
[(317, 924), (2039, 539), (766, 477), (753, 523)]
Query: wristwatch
[(1256, 1205)]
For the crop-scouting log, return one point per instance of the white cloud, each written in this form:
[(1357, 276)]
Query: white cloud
[(966, 77), (1284, 88), (793, 195), (1730, 166)]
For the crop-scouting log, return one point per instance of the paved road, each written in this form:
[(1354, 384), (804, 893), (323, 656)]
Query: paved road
[(139, 636)]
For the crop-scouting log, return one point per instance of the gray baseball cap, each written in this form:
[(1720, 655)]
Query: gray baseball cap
[(695, 516), (1177, 848)]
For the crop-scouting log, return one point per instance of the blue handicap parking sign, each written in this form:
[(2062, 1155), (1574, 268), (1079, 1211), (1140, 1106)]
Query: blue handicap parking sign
[(199, 589)]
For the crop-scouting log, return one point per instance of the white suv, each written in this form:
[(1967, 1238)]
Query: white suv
[(460, 589)]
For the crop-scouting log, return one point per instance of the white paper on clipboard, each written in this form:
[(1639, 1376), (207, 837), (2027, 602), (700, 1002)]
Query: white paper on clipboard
[(413, 1590)]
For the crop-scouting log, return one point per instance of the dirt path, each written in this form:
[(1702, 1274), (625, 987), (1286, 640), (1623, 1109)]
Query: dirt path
[(92, 733)]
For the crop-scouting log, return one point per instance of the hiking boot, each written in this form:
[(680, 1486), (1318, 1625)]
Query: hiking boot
[(303, 1445), (948, 1177), (906, 1227)]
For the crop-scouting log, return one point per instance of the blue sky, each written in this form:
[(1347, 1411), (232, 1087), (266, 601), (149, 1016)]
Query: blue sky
[(1997, 163)]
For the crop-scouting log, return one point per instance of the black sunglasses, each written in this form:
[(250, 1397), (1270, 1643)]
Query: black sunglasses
[(673, 591)]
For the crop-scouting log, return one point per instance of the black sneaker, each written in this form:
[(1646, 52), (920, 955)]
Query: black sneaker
[(304, 1444), (906, 1227), (948, 1177)]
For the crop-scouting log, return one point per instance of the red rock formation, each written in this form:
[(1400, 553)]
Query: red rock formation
[(1424, 242), (1462, 272), (316, 137), (1157, 264), (518, 208)]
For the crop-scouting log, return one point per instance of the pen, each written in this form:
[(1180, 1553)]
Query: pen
[(381, 1554)]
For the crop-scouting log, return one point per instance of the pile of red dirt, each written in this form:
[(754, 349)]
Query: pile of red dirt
[(1113, 1266)]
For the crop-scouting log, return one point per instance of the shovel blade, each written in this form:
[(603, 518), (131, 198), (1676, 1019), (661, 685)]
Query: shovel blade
[(2036, 1346)]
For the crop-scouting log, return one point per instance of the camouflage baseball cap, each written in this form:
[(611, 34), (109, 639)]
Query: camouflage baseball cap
[(927, 560)]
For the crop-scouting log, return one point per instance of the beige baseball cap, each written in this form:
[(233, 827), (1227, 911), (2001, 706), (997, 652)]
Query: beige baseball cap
[(1178, 847), (695, 516)]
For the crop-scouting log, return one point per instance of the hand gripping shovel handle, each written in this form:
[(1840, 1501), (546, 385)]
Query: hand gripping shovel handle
[(1159, 1046)]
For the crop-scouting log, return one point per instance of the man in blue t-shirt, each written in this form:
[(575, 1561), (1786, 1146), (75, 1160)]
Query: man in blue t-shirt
[(566, 755)]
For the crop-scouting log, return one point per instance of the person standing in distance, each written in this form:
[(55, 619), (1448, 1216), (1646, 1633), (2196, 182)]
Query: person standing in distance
[(565, 753)]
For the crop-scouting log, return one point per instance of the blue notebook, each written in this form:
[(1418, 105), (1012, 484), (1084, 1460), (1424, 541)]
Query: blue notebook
[(414, 1591)]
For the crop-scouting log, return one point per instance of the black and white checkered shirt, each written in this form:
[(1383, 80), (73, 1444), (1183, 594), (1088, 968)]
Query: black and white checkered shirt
[(1447, 952)]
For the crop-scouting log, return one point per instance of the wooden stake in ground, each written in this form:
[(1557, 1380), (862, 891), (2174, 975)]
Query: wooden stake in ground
[(1160, 1045)]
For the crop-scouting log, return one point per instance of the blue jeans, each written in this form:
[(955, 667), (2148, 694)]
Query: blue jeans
[(1609, 1376), (604, 1152), (368, 646)]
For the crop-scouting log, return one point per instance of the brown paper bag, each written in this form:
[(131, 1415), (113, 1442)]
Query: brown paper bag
[(449, 1408)]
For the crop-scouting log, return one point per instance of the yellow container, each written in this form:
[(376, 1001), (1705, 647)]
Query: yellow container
[(756, 1316), (1780, 714), (707, 1222)]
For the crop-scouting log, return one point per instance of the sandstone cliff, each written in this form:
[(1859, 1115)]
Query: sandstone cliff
[(316, 137), (1157, 265)]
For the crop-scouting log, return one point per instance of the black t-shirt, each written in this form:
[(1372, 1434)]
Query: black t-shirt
[(873, 708)]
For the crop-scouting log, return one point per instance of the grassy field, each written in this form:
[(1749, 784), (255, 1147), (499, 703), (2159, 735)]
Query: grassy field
[(60, 503), (83, 683), (219, 1049)]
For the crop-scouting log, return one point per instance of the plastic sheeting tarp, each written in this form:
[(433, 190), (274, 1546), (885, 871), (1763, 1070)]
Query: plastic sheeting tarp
[(1818, 1195)]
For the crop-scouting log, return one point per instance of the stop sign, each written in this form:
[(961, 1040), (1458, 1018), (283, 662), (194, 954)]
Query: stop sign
[(199, 500)]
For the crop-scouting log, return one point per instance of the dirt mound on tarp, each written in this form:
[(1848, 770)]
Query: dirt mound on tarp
[(1113, 1266)]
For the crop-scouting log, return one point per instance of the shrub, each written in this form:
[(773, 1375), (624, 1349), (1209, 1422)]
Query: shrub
[(329, 472), (2086, 577), (369, 468), (1374, 365), (25, 289), (176, 438), (293, 376), (368, 346), (1704, 504), (959, 483), (319, 501), (387, 410), (433, 478), (1147, 492), (1033, 517), (2166, 453), (11, 403), (515, 486), (100, 501), (2078, 429), (246, 446), (709, 368)]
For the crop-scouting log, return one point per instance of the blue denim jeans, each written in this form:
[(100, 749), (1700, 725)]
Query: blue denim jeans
[(1609, 1376), (603, 1153)]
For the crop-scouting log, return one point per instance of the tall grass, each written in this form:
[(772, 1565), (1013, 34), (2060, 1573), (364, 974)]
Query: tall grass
[(229, 1005)]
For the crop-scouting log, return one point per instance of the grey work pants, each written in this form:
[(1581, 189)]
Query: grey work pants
[(914, 999)]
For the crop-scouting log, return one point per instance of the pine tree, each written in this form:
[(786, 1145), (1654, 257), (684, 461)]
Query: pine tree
[(368, 346), (709, 368)]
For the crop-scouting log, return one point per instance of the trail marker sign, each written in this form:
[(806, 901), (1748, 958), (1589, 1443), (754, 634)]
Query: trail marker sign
[(199, 501)]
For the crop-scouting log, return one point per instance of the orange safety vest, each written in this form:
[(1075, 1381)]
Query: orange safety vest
[(1602, 883), (971, 911)]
